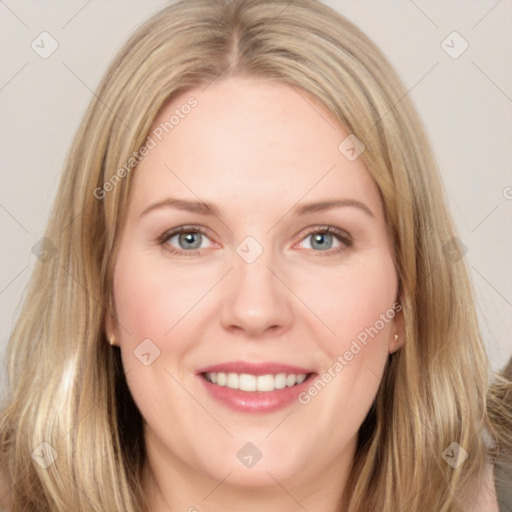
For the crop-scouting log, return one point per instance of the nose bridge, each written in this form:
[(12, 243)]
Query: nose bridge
[(256, 299)]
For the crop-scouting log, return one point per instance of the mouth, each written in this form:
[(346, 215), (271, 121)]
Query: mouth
[(255, 387)]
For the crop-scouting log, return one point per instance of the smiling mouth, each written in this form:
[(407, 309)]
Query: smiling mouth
[(255, 383)]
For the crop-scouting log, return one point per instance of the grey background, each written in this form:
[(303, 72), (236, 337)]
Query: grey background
[(465, 102)]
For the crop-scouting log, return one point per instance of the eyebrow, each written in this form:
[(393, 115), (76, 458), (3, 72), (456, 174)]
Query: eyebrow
[(319, 206), (205, 208), (188, 205)]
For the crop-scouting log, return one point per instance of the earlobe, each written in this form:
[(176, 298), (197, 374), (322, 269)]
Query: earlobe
[(396, 343), (109, 328), (398, 336)]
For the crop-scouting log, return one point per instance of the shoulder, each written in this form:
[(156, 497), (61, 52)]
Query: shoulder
[(488, 490), (484, 498), (5, 492)]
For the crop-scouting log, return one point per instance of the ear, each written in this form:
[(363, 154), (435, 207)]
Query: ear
[(397, 329)]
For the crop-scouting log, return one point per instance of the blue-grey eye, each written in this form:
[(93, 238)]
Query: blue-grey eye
[(190, 240), (322, 241)]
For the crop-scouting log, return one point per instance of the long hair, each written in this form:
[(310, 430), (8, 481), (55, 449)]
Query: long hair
[(68, 406)]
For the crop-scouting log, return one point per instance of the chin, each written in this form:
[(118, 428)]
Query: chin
[(254, 465)]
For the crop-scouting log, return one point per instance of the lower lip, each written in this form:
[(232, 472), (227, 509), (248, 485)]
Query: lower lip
[(255, 401)]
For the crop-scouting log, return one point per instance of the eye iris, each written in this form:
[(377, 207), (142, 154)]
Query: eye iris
[(320, 238), (189, 238)]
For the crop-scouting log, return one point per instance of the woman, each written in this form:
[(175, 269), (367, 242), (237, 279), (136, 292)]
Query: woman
[(184, 350)]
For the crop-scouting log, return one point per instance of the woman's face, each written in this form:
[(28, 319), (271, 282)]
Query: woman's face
[(259, 291)]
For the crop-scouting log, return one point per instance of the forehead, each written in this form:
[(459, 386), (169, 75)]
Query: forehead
[(251, 142)]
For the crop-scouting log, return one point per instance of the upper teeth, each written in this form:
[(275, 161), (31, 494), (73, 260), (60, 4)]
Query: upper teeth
[(248, 382)]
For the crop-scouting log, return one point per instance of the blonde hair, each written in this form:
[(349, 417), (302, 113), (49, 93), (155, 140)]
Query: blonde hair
[(66, 384)]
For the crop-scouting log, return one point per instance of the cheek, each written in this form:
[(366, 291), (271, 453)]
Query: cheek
[(356, 302), (359, 306), (150, 301), (148, 307)]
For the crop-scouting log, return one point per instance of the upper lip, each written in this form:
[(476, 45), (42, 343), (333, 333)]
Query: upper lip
[(263, 368)]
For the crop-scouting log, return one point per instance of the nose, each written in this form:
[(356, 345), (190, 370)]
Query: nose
[(257, 301)]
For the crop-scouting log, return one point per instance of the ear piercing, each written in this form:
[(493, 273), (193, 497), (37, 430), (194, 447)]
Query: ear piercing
[(395, 337), (112, 340)]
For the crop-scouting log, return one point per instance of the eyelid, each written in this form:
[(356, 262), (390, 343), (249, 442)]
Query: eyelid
[(170, 233), (333, 230), (344, 238), (166, 235)]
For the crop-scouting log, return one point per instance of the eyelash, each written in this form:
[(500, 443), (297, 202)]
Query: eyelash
[(342, 237)]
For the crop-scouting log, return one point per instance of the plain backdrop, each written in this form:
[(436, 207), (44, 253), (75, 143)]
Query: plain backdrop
[(454, 58)]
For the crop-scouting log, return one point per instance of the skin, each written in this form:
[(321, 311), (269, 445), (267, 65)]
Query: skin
[(255, 149)]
